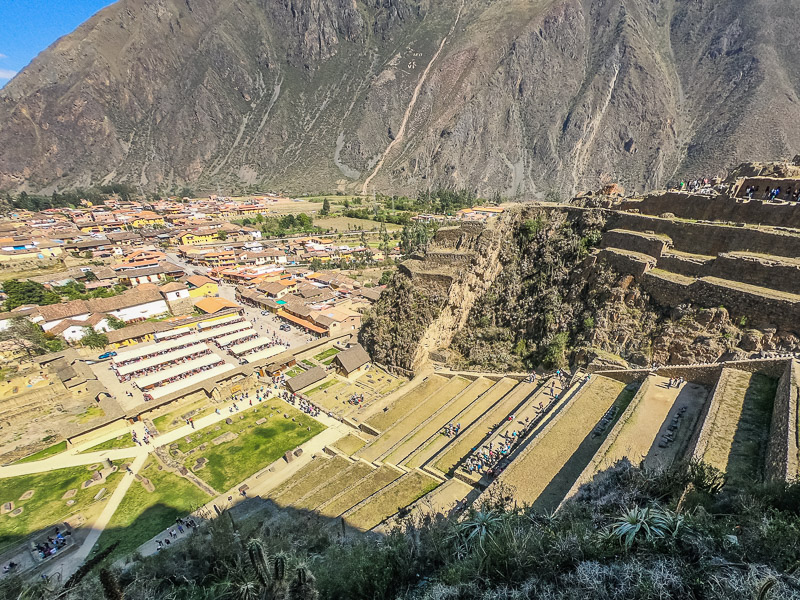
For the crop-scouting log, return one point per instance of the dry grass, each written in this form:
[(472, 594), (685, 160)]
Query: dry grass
[(384, 504), (345, 224), (370, 484), (533, 472), (472, 436), (403, 405), (415, 417), (310, 481), (470, 415), (436, 424), (350, 444), (336, 485)]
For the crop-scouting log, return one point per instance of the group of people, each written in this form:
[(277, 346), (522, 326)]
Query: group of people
[(309, 408), (356, 399), (145, 437), (182, 525), (451, 430), (52, 545), (201, 351), (774, 193), (675, 382)]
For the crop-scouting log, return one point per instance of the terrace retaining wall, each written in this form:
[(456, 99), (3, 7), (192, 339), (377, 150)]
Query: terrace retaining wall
[(782, 451)]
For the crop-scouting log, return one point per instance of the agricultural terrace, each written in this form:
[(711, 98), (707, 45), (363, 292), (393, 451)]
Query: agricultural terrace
[(412, 419), (231, 451), (466, 418), (369, 485), (334, 393), (32, 503), (349, 444), (390, 499), (644, 424), (151, 504), (406, 403), (738, 429), (474, 435), (433, 427), (546, 469)]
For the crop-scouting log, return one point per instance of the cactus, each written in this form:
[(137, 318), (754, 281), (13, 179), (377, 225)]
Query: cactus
[(302, 587), (279, 568), (258, 558)]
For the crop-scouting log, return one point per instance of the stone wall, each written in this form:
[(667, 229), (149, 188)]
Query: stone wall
[(635, 241), (783, 455), (665, 290), (711, 239), (686, 265), (627, 262), (775, 273), (702, 437), (718, 208)]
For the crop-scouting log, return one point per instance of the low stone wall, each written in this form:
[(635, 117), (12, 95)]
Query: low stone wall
[(757, 270), (664, 290), (699, 445), (628, 263), (644, 243), (718, 208), (688, 266), (710, 239), (783, 455)]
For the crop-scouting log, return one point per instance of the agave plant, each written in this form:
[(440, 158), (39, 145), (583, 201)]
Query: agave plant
[(646, 524), (479, 528)]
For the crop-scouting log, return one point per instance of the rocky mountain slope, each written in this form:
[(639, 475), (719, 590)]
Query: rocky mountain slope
[(520, 96)]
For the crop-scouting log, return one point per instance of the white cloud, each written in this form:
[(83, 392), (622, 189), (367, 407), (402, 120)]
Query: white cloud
[(2, 56), (6, 74)]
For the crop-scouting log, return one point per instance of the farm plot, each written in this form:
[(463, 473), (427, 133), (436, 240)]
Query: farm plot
[(544, 472), (349, 444), (335, 485), (435, 425), (310, 481), (738, 432), (476, 433), (441, 500), (391, 499), (471, 414), (406, 403), (414, 418), (307, 470), (378, 479)]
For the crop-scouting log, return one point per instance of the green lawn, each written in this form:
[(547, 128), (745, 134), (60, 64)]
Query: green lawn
[(329, 352), (142, 515), (45, 452), (47, 507), (91, 413), (255, 447), (123, 441), (323, 386), (293, 371), (308, 363)]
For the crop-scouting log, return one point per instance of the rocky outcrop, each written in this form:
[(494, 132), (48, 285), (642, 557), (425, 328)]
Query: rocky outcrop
[(525, 98)]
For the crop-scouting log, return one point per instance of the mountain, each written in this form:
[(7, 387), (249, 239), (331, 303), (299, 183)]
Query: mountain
[(524, 97)]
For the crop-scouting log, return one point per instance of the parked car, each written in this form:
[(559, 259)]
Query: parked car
[(106, 355), (285, 327)]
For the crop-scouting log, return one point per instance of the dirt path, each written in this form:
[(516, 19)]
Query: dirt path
[(410, 108)]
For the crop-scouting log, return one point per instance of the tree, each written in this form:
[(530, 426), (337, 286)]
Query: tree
[(221, 235), (90, 276), (303, 221), (386, 277), (20, 293), (326, 208), (27, 337), (94, 339), (116, 323)]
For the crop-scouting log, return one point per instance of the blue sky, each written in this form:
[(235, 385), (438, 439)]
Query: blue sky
[(29, 26)]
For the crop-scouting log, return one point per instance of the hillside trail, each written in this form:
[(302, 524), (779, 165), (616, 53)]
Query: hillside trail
[(410, 108)]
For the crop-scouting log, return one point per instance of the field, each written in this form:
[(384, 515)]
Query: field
[(307, 479), (474, 434), (122, 441), (388, 501), (250, 448), (406, 403), (47, 506), (45, 452), (142, 514), (175, 418), (546, 470), (350, 444), (467, 418), (330, 488), (373, 385), (330, 352), (344, 224), (740, 428), (435, 425), (413, 417), (91, 412), (380, 477)]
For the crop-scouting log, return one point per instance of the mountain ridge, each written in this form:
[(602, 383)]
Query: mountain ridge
[(525, 98)]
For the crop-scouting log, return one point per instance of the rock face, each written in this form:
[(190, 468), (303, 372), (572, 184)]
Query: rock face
[(516, 96)]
